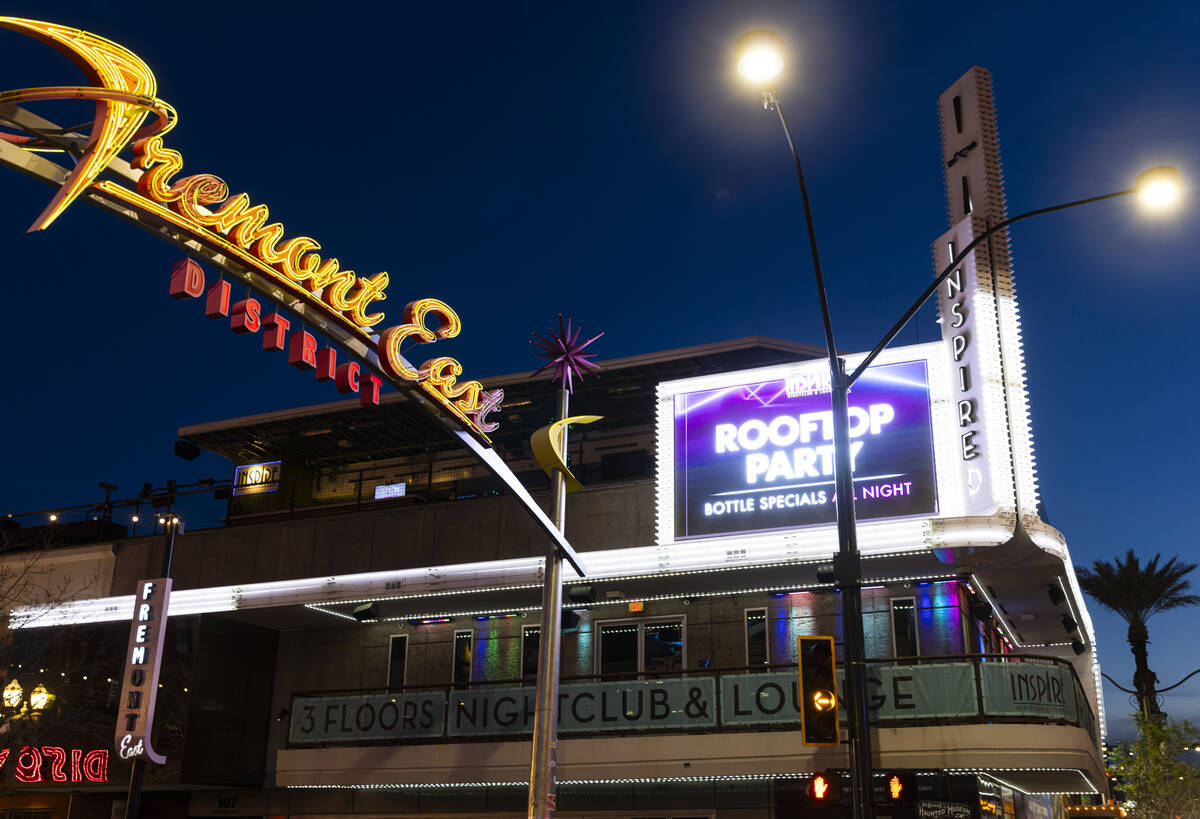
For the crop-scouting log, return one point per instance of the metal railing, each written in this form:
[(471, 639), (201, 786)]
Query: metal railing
[(944, 690), (210, 503)]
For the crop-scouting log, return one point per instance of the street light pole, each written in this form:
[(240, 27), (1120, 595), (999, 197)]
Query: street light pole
[(847, 565), (760, 59)]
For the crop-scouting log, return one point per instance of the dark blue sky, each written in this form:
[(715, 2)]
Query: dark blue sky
[(521, 160)]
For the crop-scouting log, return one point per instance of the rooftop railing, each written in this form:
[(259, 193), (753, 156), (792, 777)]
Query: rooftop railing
[(211, 503)]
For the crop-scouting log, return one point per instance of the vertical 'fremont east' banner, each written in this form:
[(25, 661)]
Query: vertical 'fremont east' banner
[(139, 684), (759, 455)]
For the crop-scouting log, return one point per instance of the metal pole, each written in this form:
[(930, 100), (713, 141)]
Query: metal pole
[(133, 799), (847, 566), (542, 786), (848, 574)]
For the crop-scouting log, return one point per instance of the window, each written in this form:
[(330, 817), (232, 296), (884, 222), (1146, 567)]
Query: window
[(958, 114), (462, 657), (397, 659), (756, 637), (966, 203), (904, 627), (530, 645), (629, 647)]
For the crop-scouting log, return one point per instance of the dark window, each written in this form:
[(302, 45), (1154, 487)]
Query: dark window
[(629, 648), (904, 627), (398, 657), (462, 656), (619, 648), (966, 197), (958, 114), (530, 643), (756, 637), (662, 646)]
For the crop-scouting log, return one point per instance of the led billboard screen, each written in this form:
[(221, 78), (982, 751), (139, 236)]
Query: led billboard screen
[(759, 455)]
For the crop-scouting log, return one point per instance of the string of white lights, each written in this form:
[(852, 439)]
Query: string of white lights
[(323, 607), (645, 780), (434, 581), (657, 780)]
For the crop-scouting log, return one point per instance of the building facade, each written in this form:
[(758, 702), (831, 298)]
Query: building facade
[(358, 635)]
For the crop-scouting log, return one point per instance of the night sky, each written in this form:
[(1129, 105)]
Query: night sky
[(600, 160)]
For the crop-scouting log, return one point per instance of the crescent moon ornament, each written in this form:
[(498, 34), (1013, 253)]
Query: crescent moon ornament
[(124, 95), (547, 448)]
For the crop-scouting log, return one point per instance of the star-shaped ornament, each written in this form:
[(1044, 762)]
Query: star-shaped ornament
[(565, 352)]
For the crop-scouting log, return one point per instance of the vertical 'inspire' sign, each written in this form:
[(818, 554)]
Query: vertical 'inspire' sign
[(139, 686)]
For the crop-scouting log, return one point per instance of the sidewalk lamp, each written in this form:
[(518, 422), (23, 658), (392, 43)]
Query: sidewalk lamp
[(15, 702), (760, 56), (13, 695)]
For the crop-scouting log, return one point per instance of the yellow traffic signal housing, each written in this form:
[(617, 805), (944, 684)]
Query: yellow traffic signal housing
[(818, 691)]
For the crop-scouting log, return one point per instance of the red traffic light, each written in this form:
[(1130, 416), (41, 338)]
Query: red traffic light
[(900, 787), (825, 787)]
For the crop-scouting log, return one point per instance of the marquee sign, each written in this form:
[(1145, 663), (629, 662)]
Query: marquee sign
[(200, 209), (754, 450)]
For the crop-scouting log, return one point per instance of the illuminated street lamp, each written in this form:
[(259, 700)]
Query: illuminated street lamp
[(760, 61), (760, 56), (1160, 187), (13, 695), (40, 698), (14, 700)]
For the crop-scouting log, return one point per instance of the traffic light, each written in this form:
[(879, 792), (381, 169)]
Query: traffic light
[(818, 691), (824, 787), (901, 788)]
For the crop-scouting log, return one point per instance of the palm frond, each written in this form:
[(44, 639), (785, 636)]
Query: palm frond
[(1135, 591)]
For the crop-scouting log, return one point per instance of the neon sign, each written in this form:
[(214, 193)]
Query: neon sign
[(201, 209), (752, 451), (86, 766)]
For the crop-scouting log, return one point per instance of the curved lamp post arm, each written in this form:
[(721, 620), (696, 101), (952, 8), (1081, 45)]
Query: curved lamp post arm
[(1181, 682), (945, 274), (771, 100), (1117, 684)]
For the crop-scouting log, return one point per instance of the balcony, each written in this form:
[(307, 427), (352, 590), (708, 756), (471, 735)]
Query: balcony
[(968, 689), (1025, 718)]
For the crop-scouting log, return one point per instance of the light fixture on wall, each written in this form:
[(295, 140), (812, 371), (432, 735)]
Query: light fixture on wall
[(366, 612)]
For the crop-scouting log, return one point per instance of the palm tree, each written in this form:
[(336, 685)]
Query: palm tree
[(1136, 592)]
